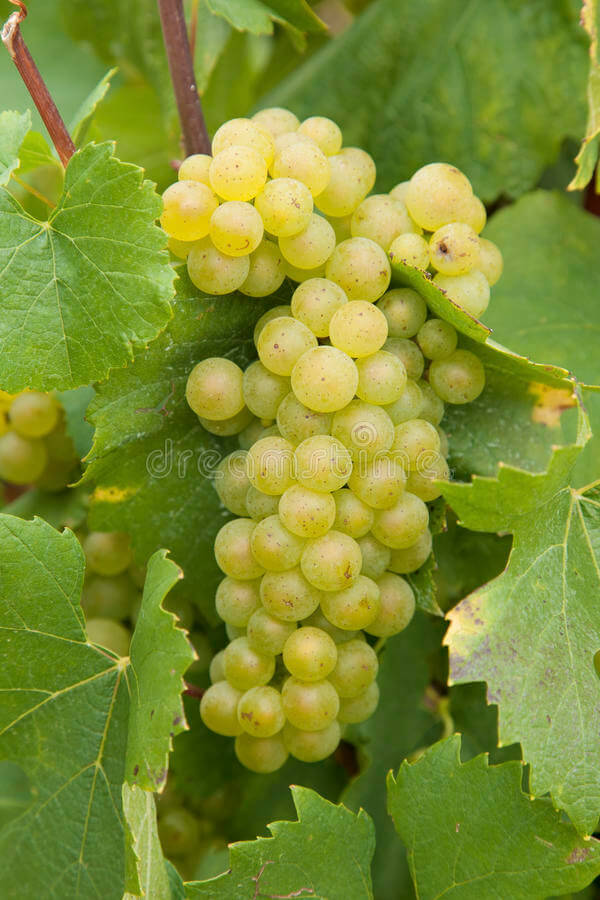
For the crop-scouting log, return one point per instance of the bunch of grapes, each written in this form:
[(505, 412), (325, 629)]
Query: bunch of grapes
[(338, 420)]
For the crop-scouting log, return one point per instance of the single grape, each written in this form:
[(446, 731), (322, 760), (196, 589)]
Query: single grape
[(411, 249), (274, 313), (358, 328), (471, 291), (366, 430), (357, 666), (187, 208), (56, 475), (276, 120), (444, 446), (324, 132), (216, 670), (297, 422), (110, 634), (375, 555), (214, 272), (352, 175), (319, 620), (310, 705), (108, 597), (33, 414), (437, 339), (245, 668), (259, 505), (233, 632), (262, 755), (403, 562), (285, 205), (475, 214), (233, 552), (236, 228), (408, 353), (405, 311), (352, 516), (235, 601), (322, 463), (357, 709), (227, 427), (238, 173), (309, 654), (301, 275), (178, 832), (402, 524), (378, 483), (253, 432), (214, 389), (231, 482), (195, 168), (306, 512), (267, 634), (310, 247), (381, 218), (107, 552), (282, 342), (263, 390), (354, 607), (260, 711), (397, 606), (422, 480), (454, 249), (432, 408), (311, 746), (398, 192), (414, 443), (271, 465), (490, 261), (22, 460), (460, 378), (325, 379), (274, 547), (361, 268), (266, 273), (408, 405), (331, 562), (218, 709), (244, 133), (341, 226), (288, 595), (315, 301), (59, 443), (438, 194), (381, 377), (304, 161)]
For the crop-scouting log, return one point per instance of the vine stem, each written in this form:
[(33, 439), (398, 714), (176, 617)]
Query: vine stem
[(181, 67), (193, 690), (29, 72)]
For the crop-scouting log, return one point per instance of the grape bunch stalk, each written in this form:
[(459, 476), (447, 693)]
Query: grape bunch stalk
[(338, 421)]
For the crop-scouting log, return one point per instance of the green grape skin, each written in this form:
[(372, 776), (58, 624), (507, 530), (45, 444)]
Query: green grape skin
[(460, 378), (214, 389), (233, 551), (433, 406), (411, 249), (475, 215), (364, 429), (228, 427), (315, 301), (331, 562), (253, 432), (354, 607), (405, 311), (352, 515), (56, 476), (178, 832), (180, 249), (341, 226), (306, 512), (320, 621), (236, 228), (310, 654), (357, 666), (397, 606), (381, 378), (245, 668), (274, 547), (414, 443), (33, 414), (437, 339), (238, 173), (22, 460), (312, 246), (360, 708), (288, 595), (297, 422), (409, 404), (275, 312), (59, 444), (303, 160), (187, 208), (422, 480), (324, 132), (285, 205), (438, 194), (107, 552), (402, 524), (454, 249), (404, 562), (268, 634), (259, 505), (376, 556), (109, 597), (263, 390), (110, 634), (358, 328), (282, 342), (444, 446), (490, 261), (325, 379), (361, 268), (311, 746), (244, 133), (378, 483), (235, 601), (266, 272), (310, 705), (216, 670), (271, 465), (260, 712), (261, 755), (352, 175), (215, 272), (233, 632), (218, 709), (409, 354), (231, 482), (398, 192), (381, 218), (195, 168), (294, 273), (322, 463), (471, 291), (276, 120)]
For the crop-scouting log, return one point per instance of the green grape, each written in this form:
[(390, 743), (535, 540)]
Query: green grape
[(352, 516), (267, 634), (59, 444), (56, 475), (324, 132), (409, 355), (490, 261), (378, 483), (322, 463), (397, 606), (454, 249), (260, 711), (253, 432), (402, 524), (236, 228), (403, 562), (276, 120), (228, 427), (108, 597), (361, 268), (325, 379), (405, 311), (231, 482), (311, 746), (233, 632), (178, 832), (282, 342), (22, 460), (475, 215), (414, 442), (398, 192), (297, 422), (357, 666), (195, 168), (408, 405), (288, 595), (275, 312), (137, 574), (285, 205), (411, 249), (309, 654), (262, 755), (422, 480), (271, 464), (438, 194), (432, 409), (218, 709), (263, 390), (214, 272), (245, 667), (354, 607), (216, 670), (366, 430), (315, 301), (352, 175), (266, 273), (357, 709), (375, 555), (304, 161), (459, 378), (471, 291), (260, 505), (238, 173), (235, 601), (33, 414), (310, 705), (107, 552), (306, 512), (437, 339), (381, 218), (381, 377), (244, 133), (331, 562), (341, 226), (301, 275), (311, 247), (187, 208), (110, 634), (274, 547), (358, 328), (214, 389), (444, 447), (319, 620), (233, 552)]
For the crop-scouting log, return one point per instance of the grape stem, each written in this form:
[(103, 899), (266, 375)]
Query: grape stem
[(29, 72), (181, 67), (193, 690)]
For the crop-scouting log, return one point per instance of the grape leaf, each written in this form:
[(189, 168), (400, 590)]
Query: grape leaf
[(430, 66), (15, 792), (258, 17), (75, 404), (58, 508), (588, 155), (83, 117), (13, 128), (471, 832), (84, 290), (36, 152), (212, 35), (325, 855), (160, 653), (140, 811)]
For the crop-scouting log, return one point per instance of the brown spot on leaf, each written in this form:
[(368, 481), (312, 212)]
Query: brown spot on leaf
[(578, 855)]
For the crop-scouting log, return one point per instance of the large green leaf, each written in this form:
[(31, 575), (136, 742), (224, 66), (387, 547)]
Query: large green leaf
[(471, 832), (413, 82), (588, 155), (13, 128), (140, 811), (84, 290), (325, 854), (257, 17)]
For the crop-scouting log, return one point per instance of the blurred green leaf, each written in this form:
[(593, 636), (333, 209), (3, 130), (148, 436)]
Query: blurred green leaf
[(13, 128), (36, 152), (15, 792), (83, 117), (258, 17), (61, 508), (587, 157), (140, 811), (75, 404)]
